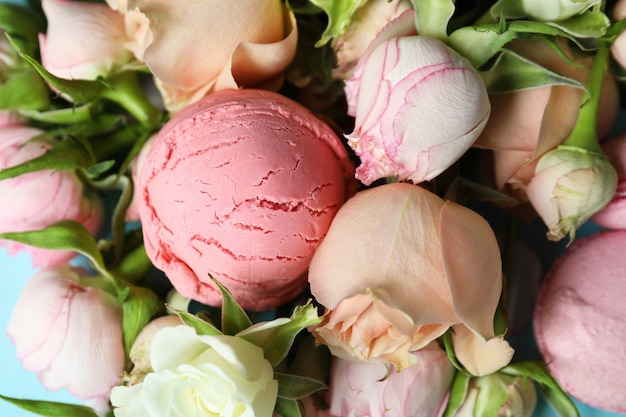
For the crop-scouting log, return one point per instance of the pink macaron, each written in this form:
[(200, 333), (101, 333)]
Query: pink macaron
[(580, 320)]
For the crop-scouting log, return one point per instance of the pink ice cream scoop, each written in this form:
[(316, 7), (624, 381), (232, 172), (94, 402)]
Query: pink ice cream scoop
[(580, 320), (242, 186), (613, 216)]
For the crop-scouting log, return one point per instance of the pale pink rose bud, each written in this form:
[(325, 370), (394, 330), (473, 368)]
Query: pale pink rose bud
[(499, 395), (360, 389), (222, 45), (41, 198), (421, 107), (366, 23), (570, 185), (69, 335), (83, 41)]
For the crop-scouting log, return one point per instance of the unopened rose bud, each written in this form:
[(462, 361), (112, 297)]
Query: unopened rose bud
[(555, 10), (570, 185), (499, 395)]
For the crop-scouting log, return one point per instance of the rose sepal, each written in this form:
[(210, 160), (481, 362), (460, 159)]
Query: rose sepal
[(339, 14), (548, 386)]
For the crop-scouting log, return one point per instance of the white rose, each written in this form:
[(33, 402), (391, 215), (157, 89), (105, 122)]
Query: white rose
[(200, 376), (555, 10)]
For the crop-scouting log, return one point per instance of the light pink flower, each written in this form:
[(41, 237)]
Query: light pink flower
[(526, 124), (83, 40), (41, 198), (421, 107), (70, 335), (427, 265), (196, 47), (360, 389)]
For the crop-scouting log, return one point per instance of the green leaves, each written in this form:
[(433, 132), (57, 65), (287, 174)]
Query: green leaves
[(51, 409), (139, 306), (513, 72), (432, 17), (339, 14), (549, 387)]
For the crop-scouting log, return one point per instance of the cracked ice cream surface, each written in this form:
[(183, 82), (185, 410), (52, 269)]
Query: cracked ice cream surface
[(242, 186)]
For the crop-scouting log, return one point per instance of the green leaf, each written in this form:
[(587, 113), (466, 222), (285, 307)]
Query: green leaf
[(80, 91), (295, 387), (458, 392), (67, 154), (277, 336), (339, 14), (432, 17), (64, 235), (449, 348), (287, 408), (550, 388), (50, 408), (202, 327), (508, 9), (139, 306), (24, 90), (234, 318), (512, 72), (71, 115), (479, 43), (592, 24)]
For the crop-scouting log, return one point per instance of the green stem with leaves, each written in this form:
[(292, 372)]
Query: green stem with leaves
[(584, 135), (127, 92)]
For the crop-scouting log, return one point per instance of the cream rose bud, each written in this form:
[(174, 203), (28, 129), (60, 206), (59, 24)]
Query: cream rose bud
[(555, 10), (421, 106), (198, 375), (83, 40), (570, 185), (69, 335), (499, 395), (360, 389)]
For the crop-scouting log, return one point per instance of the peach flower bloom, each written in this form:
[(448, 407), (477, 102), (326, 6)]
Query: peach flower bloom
[(197, 47), (427, 266)]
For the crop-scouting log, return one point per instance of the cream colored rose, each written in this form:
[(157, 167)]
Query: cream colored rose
[(198, 375)]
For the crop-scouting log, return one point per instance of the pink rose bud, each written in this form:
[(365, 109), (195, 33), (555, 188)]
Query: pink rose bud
[(221, 45), (374, 390), (570, 185), (83, 40), (70, 335), (430, 265), (499, 395), (41, 198), (421, 107)]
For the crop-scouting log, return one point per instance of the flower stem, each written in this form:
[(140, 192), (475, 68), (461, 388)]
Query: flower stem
[(584, 135), (127, 92)]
